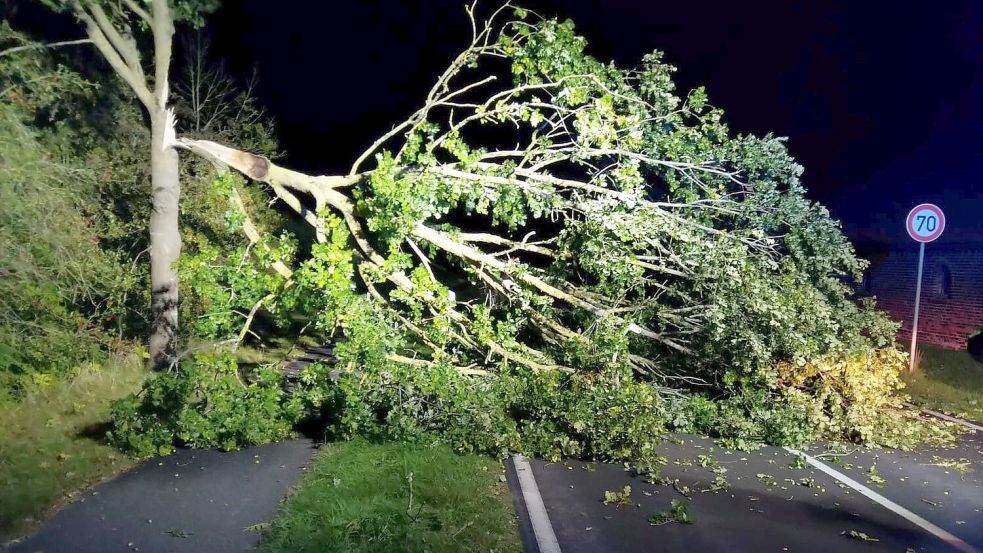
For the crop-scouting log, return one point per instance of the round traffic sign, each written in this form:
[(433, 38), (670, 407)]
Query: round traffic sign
[(925, 222)]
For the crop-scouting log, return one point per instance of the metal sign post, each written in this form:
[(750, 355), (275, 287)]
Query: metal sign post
[(918, 299), (925, 224)]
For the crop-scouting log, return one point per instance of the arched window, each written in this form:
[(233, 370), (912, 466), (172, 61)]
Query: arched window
[(943, 281)]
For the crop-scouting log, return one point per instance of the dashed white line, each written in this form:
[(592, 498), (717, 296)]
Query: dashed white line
[(542, 529), (911, 517)]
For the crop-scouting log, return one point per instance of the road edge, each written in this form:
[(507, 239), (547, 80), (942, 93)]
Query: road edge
[(537, 533)]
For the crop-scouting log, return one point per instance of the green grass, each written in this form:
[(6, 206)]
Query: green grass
[(362, 497), (949, 381), (52, 442)]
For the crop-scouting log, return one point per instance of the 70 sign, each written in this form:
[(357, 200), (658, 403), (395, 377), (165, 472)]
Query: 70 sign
[(925, 224)]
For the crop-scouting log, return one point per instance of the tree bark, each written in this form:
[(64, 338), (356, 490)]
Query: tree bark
[(165, 242)]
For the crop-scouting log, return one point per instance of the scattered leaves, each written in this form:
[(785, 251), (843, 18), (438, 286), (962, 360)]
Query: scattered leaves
[(678, 512), (618, 497), (859, 536), (874, 477)]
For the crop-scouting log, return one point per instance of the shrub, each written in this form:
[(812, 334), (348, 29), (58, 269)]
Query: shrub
[(856, 398), (606, 415), (204, 404)]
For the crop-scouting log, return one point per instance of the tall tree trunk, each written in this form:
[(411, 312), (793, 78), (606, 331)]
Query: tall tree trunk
[(112, 35), (165, 243)]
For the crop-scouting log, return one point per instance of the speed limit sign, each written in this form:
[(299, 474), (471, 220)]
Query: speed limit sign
[(925, 222)]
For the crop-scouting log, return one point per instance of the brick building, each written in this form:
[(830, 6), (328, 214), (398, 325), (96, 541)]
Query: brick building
[(952, 291)]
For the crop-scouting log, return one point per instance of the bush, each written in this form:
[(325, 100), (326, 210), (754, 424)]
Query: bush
[(204, 404), (856, 398), (549, 414)]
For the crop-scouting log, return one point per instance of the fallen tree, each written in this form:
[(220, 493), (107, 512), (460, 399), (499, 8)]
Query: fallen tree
[(545, 217)]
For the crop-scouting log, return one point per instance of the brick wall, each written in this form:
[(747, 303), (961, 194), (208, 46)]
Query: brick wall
[(952, 292)]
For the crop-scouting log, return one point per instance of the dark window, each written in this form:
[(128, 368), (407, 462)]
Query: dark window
[(943, 282)]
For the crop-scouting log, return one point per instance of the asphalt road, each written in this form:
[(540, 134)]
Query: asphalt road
[(766, 501), (191, 501)]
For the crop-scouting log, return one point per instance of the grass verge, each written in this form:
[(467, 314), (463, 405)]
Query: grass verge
[(949, 381), (52, 441), (362, 497)]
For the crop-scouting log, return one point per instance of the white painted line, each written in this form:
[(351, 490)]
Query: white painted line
[(888, 504), (943, 416), (541, 527)]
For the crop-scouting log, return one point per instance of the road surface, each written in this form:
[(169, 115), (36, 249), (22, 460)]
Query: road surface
[(767, 500)]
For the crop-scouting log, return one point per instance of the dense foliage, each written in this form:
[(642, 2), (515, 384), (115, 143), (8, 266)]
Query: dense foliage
[(547, 414), (63, 289), (567, 264), (206, 405), (856, 397), (74, 176)]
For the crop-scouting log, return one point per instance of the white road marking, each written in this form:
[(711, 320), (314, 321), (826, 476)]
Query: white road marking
[(943, 416), (888, 504), (542, 529)]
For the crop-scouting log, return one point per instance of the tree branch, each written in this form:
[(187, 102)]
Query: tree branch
[(15, 49), (252, 233), (468, 371), (135, 79), (141, 13)]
